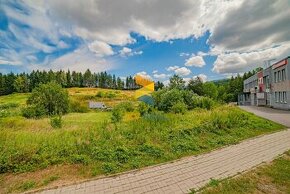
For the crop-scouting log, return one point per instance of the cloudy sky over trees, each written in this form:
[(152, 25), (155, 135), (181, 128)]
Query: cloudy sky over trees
[(155, 38)]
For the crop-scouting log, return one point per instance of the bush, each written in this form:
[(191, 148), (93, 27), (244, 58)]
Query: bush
[(34, 112), (117, 114), (166, 99), (126, 106), (49, 99), (8, 106), (102, 94), (179, 107), (56, 121), (4, 113), (207, 103), (143, 108)]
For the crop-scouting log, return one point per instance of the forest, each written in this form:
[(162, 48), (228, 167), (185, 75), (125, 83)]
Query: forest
[(225, 90)]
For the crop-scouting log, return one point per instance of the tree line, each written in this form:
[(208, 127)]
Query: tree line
[(226, 90), (26, 82)]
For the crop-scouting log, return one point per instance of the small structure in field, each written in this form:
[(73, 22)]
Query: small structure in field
[(97, 105)]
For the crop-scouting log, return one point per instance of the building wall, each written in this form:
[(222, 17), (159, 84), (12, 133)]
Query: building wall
[(269, 86), (281, 86)]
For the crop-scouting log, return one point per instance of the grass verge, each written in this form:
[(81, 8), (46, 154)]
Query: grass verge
[(268, 178)]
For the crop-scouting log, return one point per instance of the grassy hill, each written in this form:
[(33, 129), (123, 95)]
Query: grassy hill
[(34, 155)]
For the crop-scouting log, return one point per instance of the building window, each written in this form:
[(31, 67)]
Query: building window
[(281, 97), (267, 82), (275, 77), (283, 75), (279, 76), (276, 96), (285, 97)]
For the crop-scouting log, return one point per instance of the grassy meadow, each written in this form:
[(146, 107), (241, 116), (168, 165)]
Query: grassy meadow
[(34, 155), (269, 178)]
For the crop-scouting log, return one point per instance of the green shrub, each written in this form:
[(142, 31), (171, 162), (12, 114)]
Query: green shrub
[(56, 121), (170, 98), (49, 97), (143, 108), (203, 102), (102, 94), (109, 168), (117, 114), (8, 106), (33, 111), (126, 106), (4, 113), (179, 107)]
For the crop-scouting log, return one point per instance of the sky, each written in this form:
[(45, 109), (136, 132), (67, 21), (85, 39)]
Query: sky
[(213, 39)]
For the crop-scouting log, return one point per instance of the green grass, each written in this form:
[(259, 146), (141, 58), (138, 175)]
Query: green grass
[(91, 142), (89, 139), (269, 178)]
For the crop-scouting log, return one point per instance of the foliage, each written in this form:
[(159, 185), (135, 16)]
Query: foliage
[(56, 121), (164, 99), (127, 106), (8, 105), (196, 85), (180, 100), (179, 107), (118, 113), (23, 82), (143, 108), (34, 111), (47, 99), (158, 85), (176, 82), (109, 94)]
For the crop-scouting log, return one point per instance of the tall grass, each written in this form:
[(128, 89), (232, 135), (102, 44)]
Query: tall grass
[(151, 139)]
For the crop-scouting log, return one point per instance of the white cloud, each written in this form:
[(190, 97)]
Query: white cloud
[(202, 76), (161, 75), (101, 48), (236, 62), (79, 60), (126, 52), (183, 71), (5, 62), (242, 28), (172, 68), (144, 74), (184, 54), (195, 61)]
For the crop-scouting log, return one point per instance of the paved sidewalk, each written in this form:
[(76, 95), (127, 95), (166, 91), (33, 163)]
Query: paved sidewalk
[(191, 172), (279, 116)]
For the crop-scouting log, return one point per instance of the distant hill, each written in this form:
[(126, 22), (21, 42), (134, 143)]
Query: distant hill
[(221, 81)]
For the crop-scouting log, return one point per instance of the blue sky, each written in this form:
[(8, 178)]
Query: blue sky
[(210, 39)]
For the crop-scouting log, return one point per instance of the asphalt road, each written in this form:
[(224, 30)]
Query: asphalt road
[(278, 116)]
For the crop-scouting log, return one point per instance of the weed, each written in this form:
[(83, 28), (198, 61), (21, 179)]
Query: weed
[(27, 185)]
